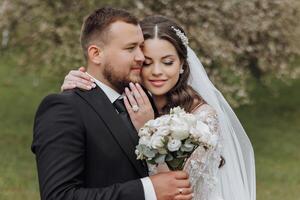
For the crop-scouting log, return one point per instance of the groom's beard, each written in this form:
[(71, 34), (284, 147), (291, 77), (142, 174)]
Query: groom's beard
[(117, 79)]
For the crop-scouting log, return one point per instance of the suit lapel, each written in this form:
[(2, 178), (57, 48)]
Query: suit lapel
[(106, 111)]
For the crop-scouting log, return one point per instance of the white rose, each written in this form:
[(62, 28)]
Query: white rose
[(179, 129), (190, 120), (163, 130), (180, 132), (177, 110), (144, 132), (155, 124), (165, 119), (174, 145), (157, 141), (213, 140), (200, 130), (148, 123), (187, 146), (145, 140), (195, 133)]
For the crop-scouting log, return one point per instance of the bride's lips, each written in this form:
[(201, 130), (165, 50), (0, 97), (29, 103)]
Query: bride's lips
[(157, 83)]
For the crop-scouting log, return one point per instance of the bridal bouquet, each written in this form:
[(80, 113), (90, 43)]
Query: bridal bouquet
[(172, 138)]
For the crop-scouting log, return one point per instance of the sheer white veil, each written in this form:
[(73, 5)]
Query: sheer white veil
[(237, 176)]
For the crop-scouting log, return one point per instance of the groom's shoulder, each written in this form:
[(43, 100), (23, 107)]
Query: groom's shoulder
[(68, 97)]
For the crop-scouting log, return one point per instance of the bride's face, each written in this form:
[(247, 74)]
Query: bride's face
[(160, 71)]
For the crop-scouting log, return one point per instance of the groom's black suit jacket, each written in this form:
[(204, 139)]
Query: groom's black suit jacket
[(84, 150)]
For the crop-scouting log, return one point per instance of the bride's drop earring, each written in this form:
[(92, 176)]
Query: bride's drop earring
[(181, 70)]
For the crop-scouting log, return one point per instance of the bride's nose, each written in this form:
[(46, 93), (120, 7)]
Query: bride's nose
[(156, 69)]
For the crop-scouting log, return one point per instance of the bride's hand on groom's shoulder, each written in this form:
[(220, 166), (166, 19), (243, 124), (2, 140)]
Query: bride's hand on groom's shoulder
[(172, 185), (78, 78), (138, 105)]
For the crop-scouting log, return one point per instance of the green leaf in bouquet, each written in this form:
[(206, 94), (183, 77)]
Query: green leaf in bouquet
[(183, 156), (162, 151), (169, 157), (151, 161), (179, 153), (186, 149), (166, 140), (176, 164), (188, 146), (160, 158), (146, 151), (150, 153), (139, 150)]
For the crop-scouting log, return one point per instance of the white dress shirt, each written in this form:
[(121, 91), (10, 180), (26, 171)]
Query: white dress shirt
[(113, 96)]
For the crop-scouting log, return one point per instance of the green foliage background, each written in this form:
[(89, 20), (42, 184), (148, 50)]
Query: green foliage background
[(235, 39)]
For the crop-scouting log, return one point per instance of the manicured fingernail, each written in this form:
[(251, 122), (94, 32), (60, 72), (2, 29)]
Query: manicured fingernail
[(137, 84), (88, 87), (93, 85), (131, 84)]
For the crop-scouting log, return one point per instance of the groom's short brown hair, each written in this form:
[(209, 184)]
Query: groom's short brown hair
[(96, 26)]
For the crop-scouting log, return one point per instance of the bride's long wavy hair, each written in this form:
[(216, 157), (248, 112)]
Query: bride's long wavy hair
[(181, 94)]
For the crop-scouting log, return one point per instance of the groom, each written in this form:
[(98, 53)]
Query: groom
[(84, 149)]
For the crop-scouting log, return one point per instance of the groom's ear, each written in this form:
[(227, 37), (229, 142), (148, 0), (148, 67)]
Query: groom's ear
[(95, 54)]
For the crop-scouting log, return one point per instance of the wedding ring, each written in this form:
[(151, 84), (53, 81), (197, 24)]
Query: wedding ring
[(180, 190), (135, 108)]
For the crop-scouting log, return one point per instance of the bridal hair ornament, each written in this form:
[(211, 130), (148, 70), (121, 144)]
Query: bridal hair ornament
[(181, 35)]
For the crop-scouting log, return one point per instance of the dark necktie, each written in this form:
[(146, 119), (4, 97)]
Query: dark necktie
[(120, 106)]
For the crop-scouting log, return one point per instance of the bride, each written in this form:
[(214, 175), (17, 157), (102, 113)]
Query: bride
[(174, 76)]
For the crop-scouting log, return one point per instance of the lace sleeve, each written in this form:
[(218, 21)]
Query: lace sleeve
[(203, 164)]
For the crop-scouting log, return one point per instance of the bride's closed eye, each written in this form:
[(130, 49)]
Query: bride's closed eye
[(168, 63), (147, 63)]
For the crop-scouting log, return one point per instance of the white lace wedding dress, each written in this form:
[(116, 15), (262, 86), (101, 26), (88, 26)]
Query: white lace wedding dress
[(203, 165)]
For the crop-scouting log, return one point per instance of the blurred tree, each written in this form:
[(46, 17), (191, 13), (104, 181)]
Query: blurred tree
[(46, 33), (235, 39)]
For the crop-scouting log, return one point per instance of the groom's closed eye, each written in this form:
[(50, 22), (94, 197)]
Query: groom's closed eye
[(131, 48)]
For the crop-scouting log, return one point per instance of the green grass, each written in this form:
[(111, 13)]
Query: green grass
[(273, 125), (19, 96)]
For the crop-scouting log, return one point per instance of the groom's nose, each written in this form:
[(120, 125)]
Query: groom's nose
[(139, 57)]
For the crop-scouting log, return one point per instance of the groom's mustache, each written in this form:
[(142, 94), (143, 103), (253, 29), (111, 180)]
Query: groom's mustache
[(138, 66)]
